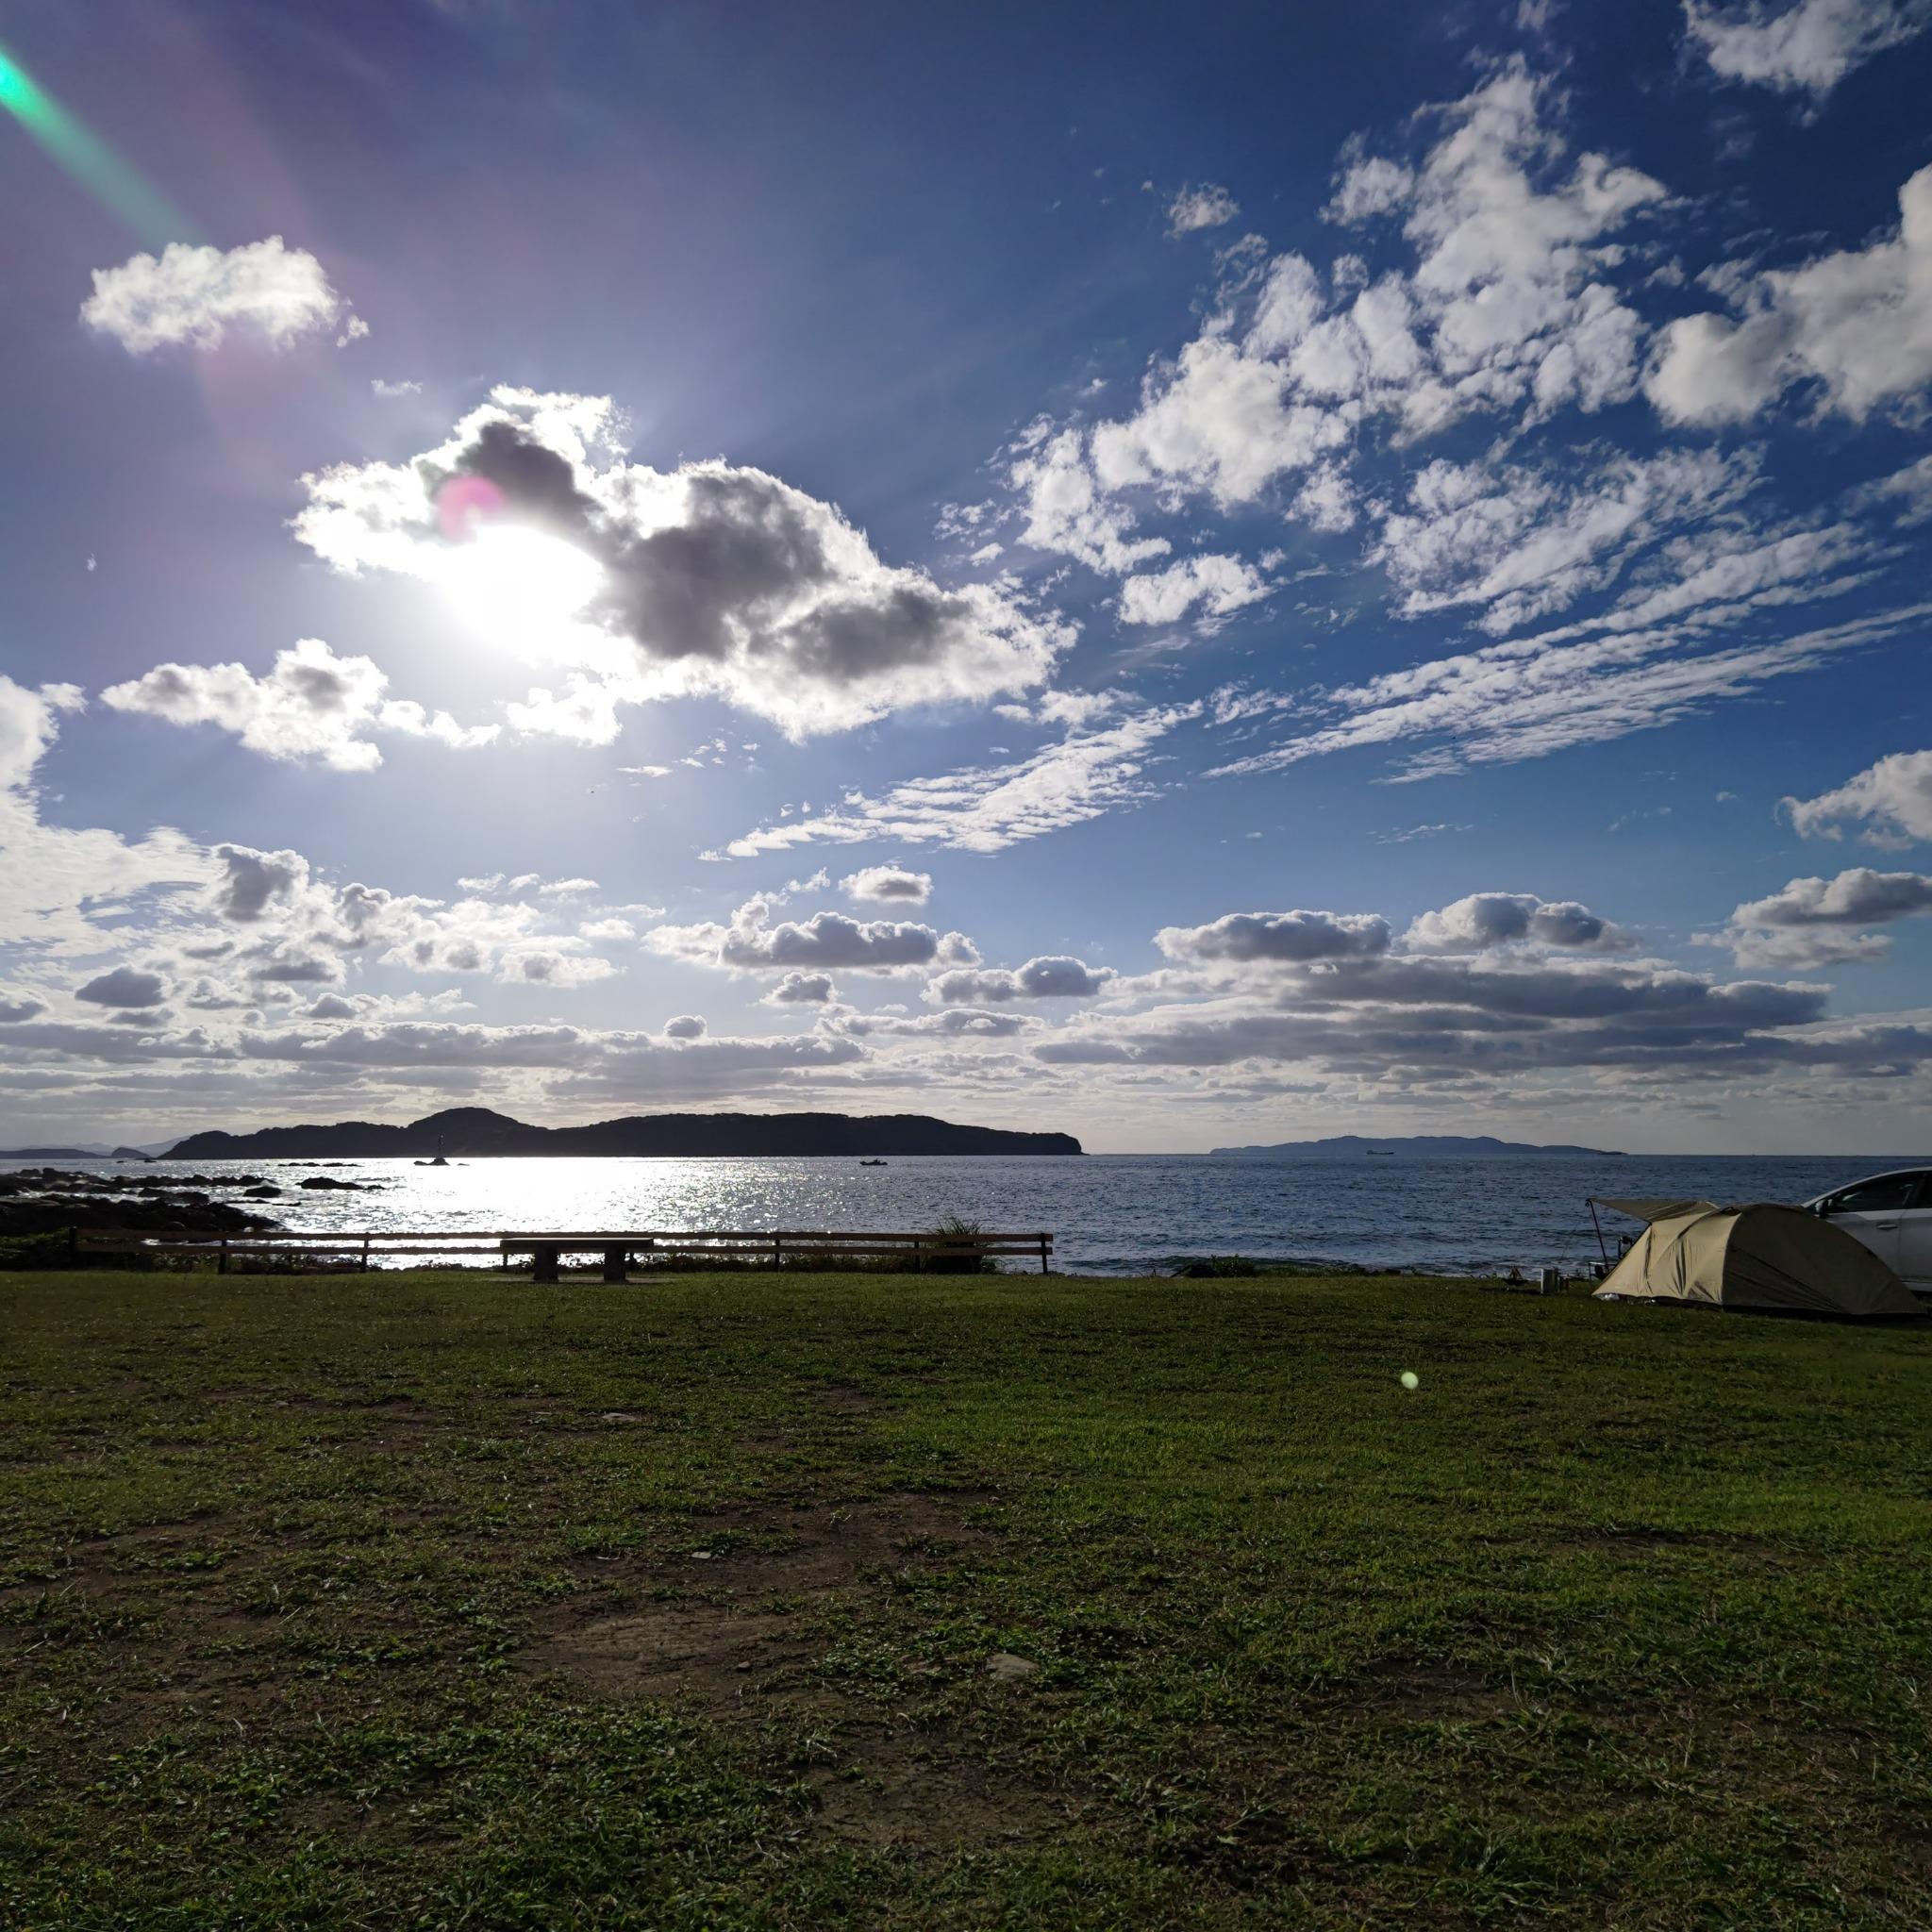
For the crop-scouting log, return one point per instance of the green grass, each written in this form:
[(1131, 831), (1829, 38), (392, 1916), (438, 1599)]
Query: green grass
[(430, 1601)]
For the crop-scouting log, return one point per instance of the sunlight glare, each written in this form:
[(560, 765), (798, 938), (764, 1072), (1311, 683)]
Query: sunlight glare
[(517, 587)]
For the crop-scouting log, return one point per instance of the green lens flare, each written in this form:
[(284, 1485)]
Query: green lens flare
[(118, 187)]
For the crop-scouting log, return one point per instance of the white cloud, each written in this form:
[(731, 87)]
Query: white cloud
[(1051, 977), (196, 295), (1194, 208), (1368, 187), (1804, 48), (1521, 544), (395, 388), (1482, 921), (987, 808), (686, 1027), (1857, 323), (1505, 306), (802, 989), (1067, 511), (1809, 922), (1529, 698), (643, 584), (311, 705), (1218, 585), (888, 883), (1911, 486), (752, 942), (1892, 797), (52, 878), (1245, 937)]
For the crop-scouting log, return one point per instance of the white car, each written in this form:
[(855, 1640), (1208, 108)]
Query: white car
[(1892, 1213)]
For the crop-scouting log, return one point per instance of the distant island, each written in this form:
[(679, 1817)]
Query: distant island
[(1417, 1146), (468, 1132)]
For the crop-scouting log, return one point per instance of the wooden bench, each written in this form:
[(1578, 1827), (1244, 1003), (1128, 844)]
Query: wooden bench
[(546, 1250)]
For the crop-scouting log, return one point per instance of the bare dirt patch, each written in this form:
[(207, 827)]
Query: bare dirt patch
[(735, 1624)]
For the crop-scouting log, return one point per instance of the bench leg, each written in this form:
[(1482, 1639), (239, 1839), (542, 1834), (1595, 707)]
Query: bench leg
[(543, 1259), (614, 1264)]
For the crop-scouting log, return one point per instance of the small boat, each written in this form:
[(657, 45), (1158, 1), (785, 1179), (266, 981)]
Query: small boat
[(872, 1163), (441, 1161)]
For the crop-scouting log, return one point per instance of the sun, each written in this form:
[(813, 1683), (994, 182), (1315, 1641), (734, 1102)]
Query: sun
[(518, 588)]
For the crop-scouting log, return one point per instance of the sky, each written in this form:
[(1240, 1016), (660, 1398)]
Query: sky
[(1184, 574)]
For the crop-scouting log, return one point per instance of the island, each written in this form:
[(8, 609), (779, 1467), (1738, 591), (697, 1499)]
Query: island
[(1416, 1146), (470, 1132)]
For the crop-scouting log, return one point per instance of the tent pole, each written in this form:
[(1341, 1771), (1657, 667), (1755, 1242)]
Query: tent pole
[(1599, 1226)]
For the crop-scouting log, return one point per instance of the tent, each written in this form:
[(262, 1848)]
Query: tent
[(1762, 1256)]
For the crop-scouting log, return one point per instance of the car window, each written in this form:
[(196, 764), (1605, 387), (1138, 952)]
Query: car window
[(1877, 1196)]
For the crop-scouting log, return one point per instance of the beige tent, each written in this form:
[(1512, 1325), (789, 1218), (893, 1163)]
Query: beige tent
[(1758, 1256)]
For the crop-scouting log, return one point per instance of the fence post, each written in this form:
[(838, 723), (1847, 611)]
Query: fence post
[(222, 1260), (1043, 1269), (365, 1253), (778, 1251), (919, 1253)]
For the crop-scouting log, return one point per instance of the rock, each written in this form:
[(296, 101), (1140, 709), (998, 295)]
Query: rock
[(1004, 1666), (265, 1193), (323, 1180)]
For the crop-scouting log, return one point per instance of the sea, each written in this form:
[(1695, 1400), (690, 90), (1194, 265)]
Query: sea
[(1109, 1214)]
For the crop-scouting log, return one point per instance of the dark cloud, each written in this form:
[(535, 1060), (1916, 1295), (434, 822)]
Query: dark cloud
[(125, 986)]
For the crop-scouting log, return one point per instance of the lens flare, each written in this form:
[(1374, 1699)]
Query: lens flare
[(465, 503), (119, 188)]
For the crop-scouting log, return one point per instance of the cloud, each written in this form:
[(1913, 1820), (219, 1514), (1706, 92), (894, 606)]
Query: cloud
[(988, 809), (886, 883), (125, 986), (644, 584), (1854, 327), (1893, 797), (311, 705), (1244, 938), (29, 725), (1522, 543), (1808, 922), (1503, 305), (1483, 920), (686, 1027), (53, 878), (1052, 976), (393, 390), (524, 883), (251, 884), (1804, 48), (802, 989), (1219, 585), (1858, 897), (1194, 208), (1911, 486), (827, 940), (197, 295), (1530, 698)]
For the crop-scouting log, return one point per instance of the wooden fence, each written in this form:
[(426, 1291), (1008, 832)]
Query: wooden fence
[(778, 1248)]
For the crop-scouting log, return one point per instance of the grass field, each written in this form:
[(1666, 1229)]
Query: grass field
[(720, 1602)]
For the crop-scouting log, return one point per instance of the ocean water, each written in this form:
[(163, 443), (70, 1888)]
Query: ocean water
[(1109, 1213)]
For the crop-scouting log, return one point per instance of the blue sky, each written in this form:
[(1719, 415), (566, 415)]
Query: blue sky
[(1172, 573)]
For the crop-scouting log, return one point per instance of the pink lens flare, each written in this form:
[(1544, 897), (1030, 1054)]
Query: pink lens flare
[(465, 502)]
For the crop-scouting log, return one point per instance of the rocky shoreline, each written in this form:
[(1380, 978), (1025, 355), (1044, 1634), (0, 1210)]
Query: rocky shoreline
[(48, 1199)]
